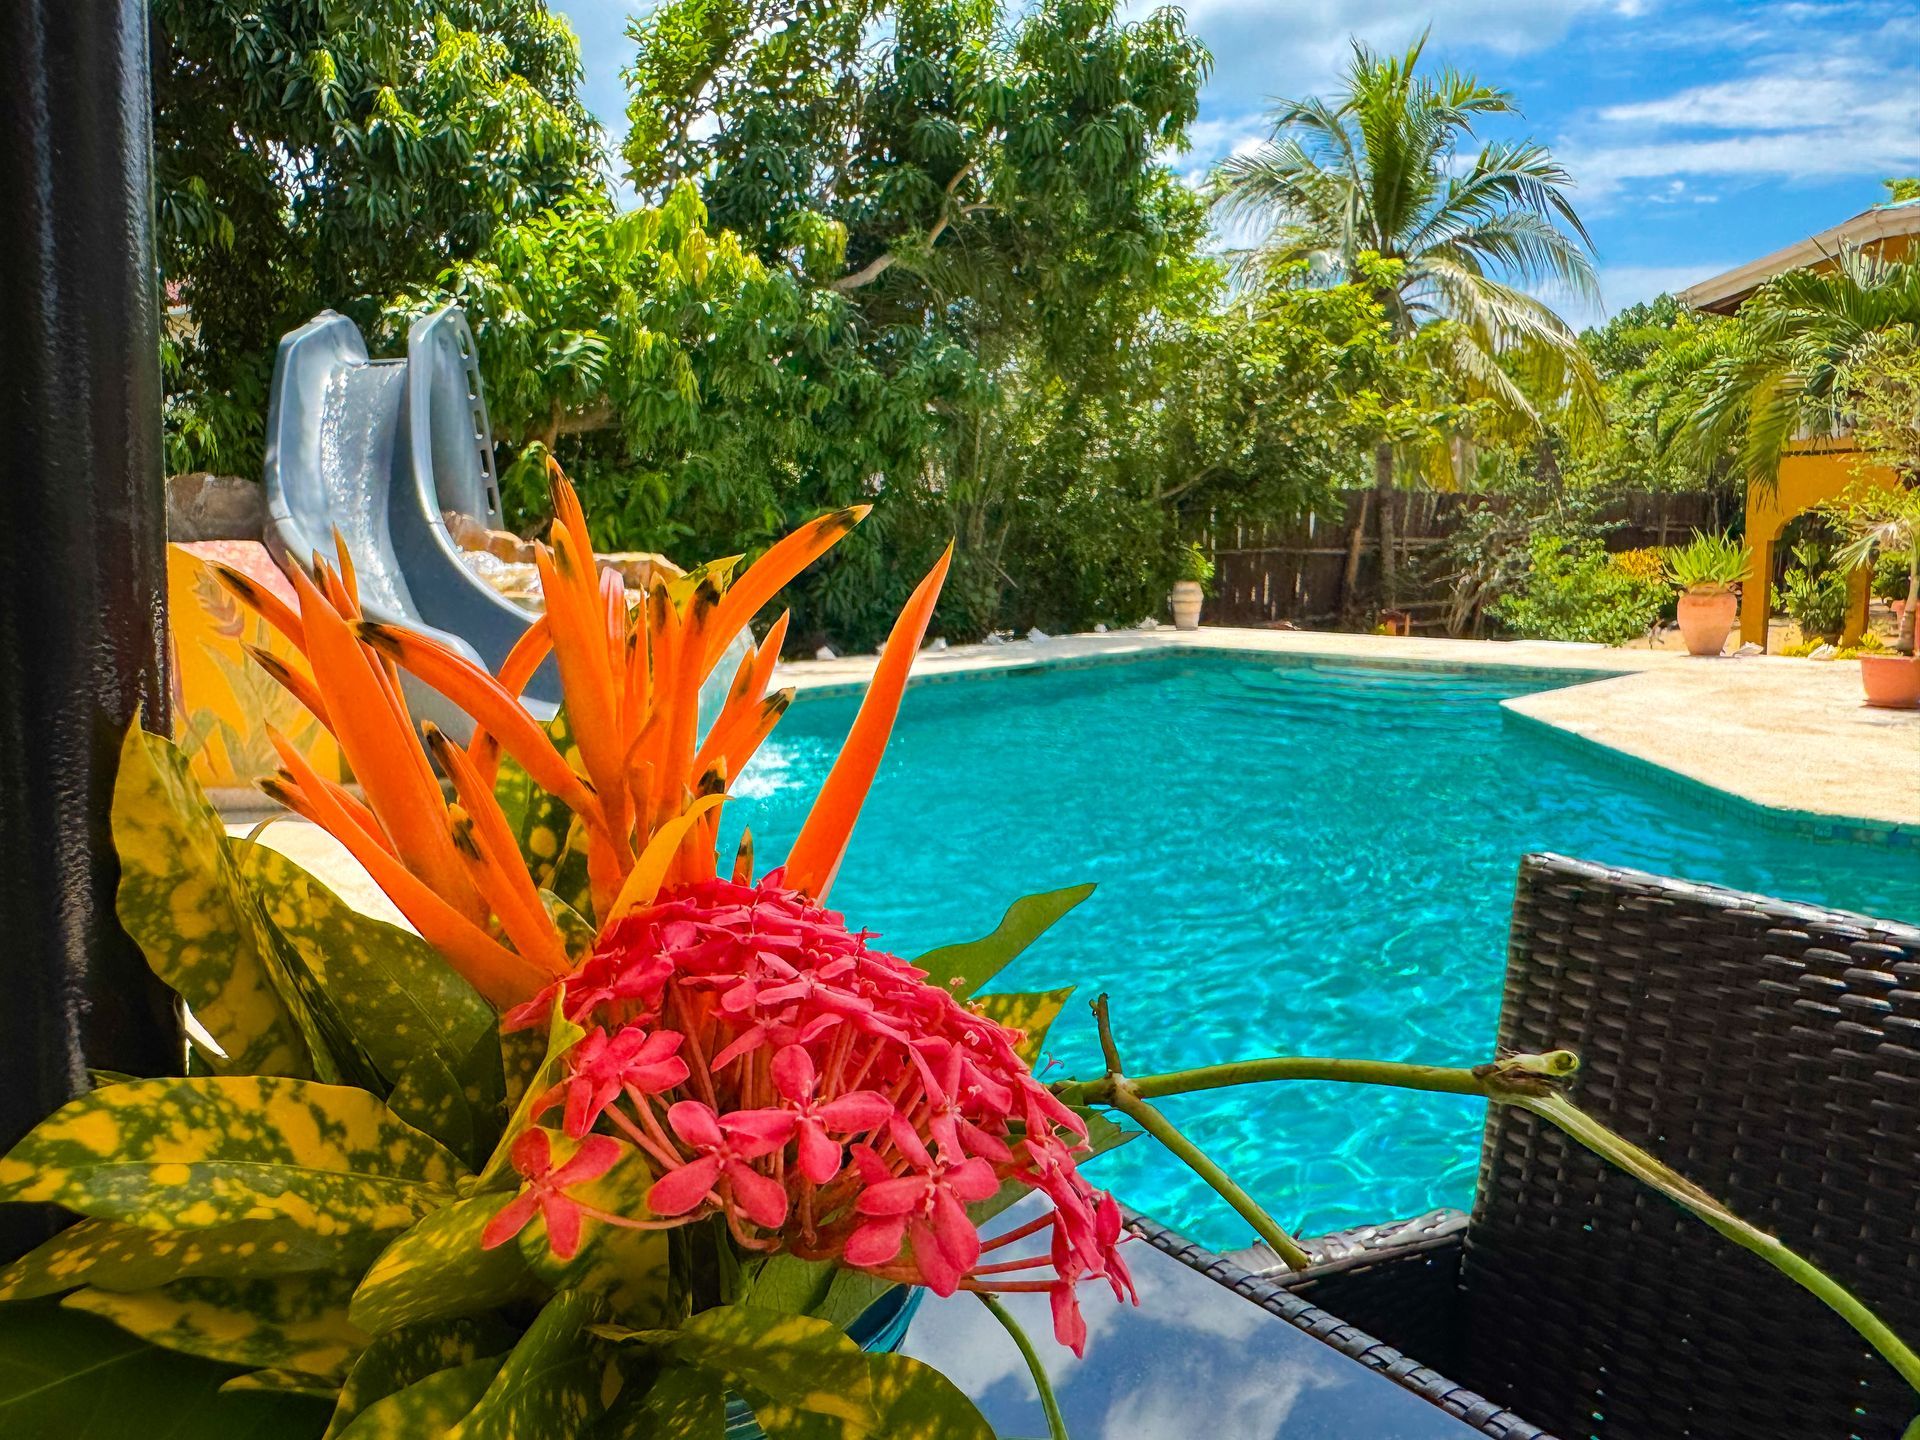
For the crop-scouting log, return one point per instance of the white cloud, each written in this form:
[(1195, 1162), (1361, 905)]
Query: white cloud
[(1812, 103), (1263, 49)]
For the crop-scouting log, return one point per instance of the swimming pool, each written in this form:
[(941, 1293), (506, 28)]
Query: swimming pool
[(1293, 857)]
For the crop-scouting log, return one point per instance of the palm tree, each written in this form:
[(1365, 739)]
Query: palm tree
[(1796, 342), (1374, 171)]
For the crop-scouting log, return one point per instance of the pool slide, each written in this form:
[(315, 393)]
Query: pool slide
[(377, 450)]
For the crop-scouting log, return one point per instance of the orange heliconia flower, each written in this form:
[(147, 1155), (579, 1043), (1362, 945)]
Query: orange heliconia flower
[(648, 788)]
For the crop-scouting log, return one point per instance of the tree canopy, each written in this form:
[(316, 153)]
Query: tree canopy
[(313, 155)]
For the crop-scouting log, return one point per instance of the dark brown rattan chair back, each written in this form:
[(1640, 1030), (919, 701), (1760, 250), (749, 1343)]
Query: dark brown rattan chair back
[(1771, 1053)]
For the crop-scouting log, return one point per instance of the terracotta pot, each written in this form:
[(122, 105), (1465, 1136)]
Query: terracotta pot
[(1891, 681), (1705, 619), (1186, 599)]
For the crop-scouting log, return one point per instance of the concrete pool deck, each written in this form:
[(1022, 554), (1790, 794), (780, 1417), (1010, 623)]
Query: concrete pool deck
[(1790, 737)]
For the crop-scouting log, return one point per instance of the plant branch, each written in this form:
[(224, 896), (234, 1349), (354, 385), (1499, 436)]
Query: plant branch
[(880, 264), (1056, 1423), (1122, 1096), (1531, 1082)]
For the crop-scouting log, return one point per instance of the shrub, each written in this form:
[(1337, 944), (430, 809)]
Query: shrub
[(1890, 576), (1195, 564), (1573, 590), (1815, 592)]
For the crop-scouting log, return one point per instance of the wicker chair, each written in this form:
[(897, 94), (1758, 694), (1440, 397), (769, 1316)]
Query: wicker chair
[(1770, 1052)]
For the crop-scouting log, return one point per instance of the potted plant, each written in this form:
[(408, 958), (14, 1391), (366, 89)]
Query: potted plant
[(1814, 593), (1884, 525), (625, 1137), (1195, 571), (1706, 569)]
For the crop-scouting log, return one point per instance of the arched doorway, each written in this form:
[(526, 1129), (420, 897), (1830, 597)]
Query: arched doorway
[(1810, 476)]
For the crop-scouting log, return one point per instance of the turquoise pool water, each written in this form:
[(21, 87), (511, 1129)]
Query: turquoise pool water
[(1305, 858)]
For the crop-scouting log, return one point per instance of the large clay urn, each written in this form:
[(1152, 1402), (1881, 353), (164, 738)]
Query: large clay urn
[(1706, 618), (1891, 681)]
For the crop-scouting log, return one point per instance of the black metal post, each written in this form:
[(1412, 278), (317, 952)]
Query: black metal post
[(82, 549)]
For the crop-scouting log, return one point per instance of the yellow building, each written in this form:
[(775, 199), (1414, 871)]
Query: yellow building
[(1813, 471)]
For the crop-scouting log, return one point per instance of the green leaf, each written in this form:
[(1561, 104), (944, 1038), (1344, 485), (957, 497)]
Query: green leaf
[(850, 1295), (796, 1361), (65, 1375), (964, 968), (912, 1401), (183, 901), (186, 1153), (400, 999), (282, 1382), (111, 1256), (552, 1383), (787, 1284), (552, 840), (562, 1036), (430, 1097), (576, 931), (429, 1407), (683, 1404), (437, 1270), (1031, 1011), (394, 1361), (917, 1402), (630, 1269), (291, 1322)]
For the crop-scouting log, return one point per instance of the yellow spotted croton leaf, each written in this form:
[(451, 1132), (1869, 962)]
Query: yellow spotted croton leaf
[(292, 1322), (183, 901), (112, 1256), (432, 1405), (1031, 1012), (555, 1381), (437, 1270), (392, 1362), (399, 997), (188, 1153), (552, 838)]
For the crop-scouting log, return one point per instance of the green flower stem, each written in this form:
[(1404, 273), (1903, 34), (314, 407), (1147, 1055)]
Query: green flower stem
[(1056, 1423), (1524, 1080), (1558, 1110), (1124, 1096)]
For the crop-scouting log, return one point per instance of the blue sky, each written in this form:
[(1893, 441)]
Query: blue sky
[(1701, 133)]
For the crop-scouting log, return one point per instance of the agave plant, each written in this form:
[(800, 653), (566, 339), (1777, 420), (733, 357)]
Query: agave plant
[(1708, 564)]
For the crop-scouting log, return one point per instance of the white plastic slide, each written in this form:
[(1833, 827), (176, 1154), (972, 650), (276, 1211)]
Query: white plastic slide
[(379, 450)]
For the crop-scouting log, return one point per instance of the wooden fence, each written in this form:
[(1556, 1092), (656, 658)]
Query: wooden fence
[(1296, 574)]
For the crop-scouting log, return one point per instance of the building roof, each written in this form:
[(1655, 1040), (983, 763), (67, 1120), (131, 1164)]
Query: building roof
[(1724, 294)]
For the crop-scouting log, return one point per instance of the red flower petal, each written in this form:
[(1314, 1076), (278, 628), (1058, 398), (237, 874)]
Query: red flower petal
[(760, 1197), (877, 1242), (861, 1110), (678, 1191), (695, 1123), (511, 1219), (793, 1074)]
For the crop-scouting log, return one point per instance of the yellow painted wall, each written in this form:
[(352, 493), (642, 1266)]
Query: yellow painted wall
[(1808, 478), (222, 701)]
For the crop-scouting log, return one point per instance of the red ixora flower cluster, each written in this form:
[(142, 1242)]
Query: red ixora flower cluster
[(821, 1096)]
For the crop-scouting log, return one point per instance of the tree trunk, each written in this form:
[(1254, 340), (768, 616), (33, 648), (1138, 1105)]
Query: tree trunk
[(1904, 642), (1350, 578), (1383, 496)]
